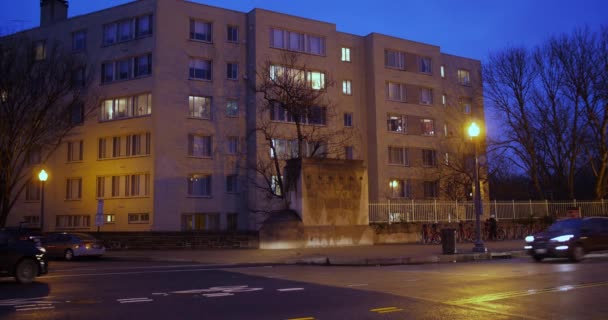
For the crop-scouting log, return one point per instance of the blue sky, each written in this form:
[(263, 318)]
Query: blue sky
[(470, 28)]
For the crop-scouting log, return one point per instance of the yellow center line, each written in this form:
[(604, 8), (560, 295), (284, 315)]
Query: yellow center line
[(382, 309), (523, 293), (307, 318), (393, 310)]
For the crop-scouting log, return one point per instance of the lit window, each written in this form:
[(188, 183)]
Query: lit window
[(444, 100), (400, 188), (232, 108), (428, 127), (126, 107), (200, 107), (40, 50), (109, 218), (200, 30), (316, 79), (396, 123), (346, 54), (442, 71), (347, 87), (464, 77)]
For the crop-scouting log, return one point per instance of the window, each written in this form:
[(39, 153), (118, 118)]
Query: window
[(444, 100), (124, 186), (125, 69), (232, 108), (316, 79), (200, 30), (200, 107), (78, 77), (76, 114), (275, 185), (395, 91), (201, 222), (232, 221), (445, 129), (39, 50), (31, 221), (139, 218), (426, 96), (348, 119), (200, 69), (297, 41), (394, 59), (349, 153), (72, 221), (233, 145), (75, 150), (446, 157), (400, 188), (313, 115), (232, 183), (109, 218), (428, 127), (73, 189), (465, 104), (132, 145), (429, 158), (396, 123), (346, 87), (346, 54), (442, 71), (425, 65), (199, 185), (285, 149), (199, 146), (232, 33), (431, 189), (79, 40), (464, 77), (32, 190), (126, 107), (398, 156), (128, 29), (143, 26), (232, 71)]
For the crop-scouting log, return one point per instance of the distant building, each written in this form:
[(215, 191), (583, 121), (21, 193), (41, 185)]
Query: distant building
[(168, 146)]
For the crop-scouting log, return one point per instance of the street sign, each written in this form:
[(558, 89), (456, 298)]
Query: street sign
[(99, 217)]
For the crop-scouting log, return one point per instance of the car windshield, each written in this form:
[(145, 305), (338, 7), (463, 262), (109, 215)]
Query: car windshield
[(569, 225)]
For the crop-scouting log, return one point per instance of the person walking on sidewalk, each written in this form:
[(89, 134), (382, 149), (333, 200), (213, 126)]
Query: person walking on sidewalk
[(493, 228)]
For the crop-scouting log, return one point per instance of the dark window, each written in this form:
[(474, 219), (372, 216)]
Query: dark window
[(233, 33)]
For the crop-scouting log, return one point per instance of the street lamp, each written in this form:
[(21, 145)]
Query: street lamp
[(474, 131), (42, 176)]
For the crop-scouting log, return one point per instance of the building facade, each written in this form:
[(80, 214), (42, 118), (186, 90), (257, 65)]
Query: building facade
[(173, 135)]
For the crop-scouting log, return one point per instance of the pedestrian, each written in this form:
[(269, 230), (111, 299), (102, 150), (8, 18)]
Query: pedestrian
[(493, 228)]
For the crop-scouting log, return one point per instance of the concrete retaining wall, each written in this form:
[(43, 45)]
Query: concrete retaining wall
[(177, 240)]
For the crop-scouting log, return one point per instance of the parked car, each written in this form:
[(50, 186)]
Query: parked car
[(70, 245), (21, 258), (22, 233), (569, 238)]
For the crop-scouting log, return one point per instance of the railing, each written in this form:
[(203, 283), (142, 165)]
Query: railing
[(450, 211)]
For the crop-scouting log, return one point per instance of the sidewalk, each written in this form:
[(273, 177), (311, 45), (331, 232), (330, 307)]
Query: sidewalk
[(389, 254)]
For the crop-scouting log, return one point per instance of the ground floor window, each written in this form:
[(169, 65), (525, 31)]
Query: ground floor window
[(201, 221), (141, 218), (72, 221), (31, 221), (232, 221)]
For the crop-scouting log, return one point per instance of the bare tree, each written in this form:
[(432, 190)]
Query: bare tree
[(41, 100), (296, 120)]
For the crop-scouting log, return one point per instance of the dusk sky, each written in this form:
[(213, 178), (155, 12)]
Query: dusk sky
[(470, 28)]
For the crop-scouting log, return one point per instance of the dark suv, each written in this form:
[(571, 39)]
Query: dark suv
[(569, 238), (21, 258)]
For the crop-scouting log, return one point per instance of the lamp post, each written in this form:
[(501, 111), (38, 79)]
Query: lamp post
[(42, 176), (474, 131)]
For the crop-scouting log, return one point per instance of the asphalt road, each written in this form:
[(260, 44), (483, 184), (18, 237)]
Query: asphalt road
[(507, 289)]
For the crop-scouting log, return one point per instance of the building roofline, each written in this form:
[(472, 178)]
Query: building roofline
[(293, 16), (371, 34)]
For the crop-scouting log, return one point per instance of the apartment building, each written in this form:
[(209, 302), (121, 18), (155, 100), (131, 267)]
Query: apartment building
[(172, 139)]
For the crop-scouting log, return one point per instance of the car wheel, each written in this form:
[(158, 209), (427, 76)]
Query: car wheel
[(26, 271), (577, 253), (538, 258), (68, 254)]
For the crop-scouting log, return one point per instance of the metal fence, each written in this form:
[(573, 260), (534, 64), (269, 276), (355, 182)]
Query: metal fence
[(449, 211)]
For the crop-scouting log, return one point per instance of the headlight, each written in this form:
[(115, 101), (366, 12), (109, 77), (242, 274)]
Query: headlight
[(530, 239), (42, 249), (563, 238)]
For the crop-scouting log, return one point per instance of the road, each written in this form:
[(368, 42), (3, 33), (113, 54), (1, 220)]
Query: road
[(503, 289)]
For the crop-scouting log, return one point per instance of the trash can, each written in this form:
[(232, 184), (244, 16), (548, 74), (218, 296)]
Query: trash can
[(448, 241)]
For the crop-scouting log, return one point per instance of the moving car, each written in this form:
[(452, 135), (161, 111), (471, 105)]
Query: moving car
[(21, 258), (569, 238), (69, 245)]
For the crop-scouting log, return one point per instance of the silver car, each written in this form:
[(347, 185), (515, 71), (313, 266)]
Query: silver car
[(70, 245)]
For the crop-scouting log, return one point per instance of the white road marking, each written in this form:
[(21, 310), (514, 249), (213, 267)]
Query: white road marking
[(134, 300), (22, 301), (35, 308), (136, 268), (290, 289), (215, 295), (160, 294)]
